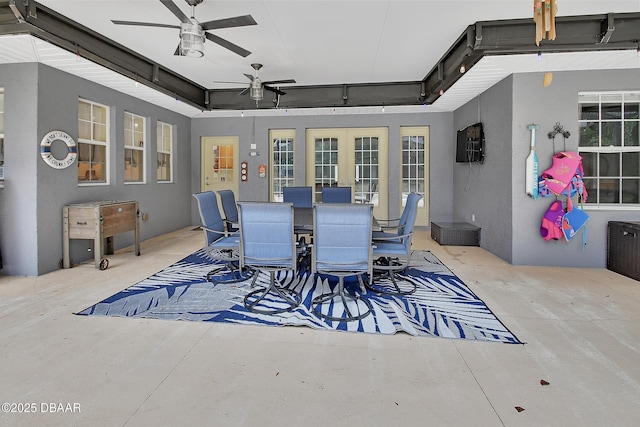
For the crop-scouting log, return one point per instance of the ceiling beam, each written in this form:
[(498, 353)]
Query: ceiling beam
[(505, 37), (60, 31), (613, 31)]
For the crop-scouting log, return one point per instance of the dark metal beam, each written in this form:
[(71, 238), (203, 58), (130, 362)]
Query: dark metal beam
[(506, 37), (342, 95), (73, 37), (613, 31)]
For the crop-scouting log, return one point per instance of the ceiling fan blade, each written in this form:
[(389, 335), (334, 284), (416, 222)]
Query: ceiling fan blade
[(249, 76), (236, 21), (277, 82), (227, 44), (178, 52), (274, 90), (244, 91), (145, 24), (223, 81), (176, 11)]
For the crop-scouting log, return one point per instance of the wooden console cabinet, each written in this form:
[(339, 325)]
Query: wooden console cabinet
[(99, 221)]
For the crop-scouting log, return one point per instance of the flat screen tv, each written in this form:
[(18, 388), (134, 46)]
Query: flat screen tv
[(470, 144)]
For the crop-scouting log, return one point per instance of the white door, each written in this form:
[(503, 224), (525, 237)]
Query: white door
[(219, 163), (350, 157)]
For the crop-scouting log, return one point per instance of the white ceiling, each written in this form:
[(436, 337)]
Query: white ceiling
[(315, 42)]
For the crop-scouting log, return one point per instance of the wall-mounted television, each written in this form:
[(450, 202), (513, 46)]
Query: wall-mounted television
[(470, 144)]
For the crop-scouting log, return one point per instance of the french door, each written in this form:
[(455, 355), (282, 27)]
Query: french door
[(415, 168), (350, 157), (219, 165)]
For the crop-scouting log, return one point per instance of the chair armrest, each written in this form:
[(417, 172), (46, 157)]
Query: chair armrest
[(391, 238), (222, 233), (388, 222)]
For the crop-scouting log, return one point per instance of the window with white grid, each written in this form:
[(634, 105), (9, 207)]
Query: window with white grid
[(164, 140), (610, 147), (134, 147), (93, 142)]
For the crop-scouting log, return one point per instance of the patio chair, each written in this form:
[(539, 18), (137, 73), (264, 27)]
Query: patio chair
[(267, 244), (392, 253), (301, 197), (395, 227), (230, 210), (336, 194), (342, 247), (218, 245)]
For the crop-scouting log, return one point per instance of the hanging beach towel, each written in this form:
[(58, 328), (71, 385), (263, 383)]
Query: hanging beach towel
[(574, 220)]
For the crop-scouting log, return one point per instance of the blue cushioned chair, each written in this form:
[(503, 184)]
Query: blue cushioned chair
[(218, 245), (395, 227), (342, 247), (392, 253), (230, 209), (301, 197), (336, 194), (267, 244)]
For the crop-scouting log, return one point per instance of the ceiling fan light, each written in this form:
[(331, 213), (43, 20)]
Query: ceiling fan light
[(257, 91), (191, 40)]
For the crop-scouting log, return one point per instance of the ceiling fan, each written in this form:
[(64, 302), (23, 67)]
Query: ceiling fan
[(257, 86), (193, 33)]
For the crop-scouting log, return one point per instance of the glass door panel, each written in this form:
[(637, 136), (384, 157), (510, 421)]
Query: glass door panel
[(366, 170), (220, 164), (415, 142), (350, 157), (282, 153)]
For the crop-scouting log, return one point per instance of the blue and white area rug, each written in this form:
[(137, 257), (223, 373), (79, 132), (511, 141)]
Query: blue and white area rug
[(441, 306)]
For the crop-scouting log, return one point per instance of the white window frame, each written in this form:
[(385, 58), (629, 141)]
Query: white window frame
[(164, 146), (93, 141), (134, 135), (603, 98)]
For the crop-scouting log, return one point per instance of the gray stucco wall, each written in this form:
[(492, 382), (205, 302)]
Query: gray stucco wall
[(256, 130), (495, 191), (39, 99), (484, 189), (18, 220), (547, 106)]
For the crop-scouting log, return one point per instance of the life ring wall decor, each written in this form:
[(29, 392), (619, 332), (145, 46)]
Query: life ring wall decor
[(47, 156)]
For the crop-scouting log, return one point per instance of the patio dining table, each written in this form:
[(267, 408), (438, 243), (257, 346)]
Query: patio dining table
[(303, 220)]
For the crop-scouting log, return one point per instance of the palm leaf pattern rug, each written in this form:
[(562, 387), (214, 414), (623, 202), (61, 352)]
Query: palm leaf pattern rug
[(442, 305)]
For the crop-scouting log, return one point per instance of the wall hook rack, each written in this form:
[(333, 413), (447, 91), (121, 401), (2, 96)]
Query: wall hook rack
[(558, 129)]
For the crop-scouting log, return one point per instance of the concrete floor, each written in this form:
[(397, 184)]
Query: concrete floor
[(581, 329)]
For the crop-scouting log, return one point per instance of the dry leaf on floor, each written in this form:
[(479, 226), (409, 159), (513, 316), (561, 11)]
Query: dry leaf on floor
[(544, 382), (277, 373), (519, 408)]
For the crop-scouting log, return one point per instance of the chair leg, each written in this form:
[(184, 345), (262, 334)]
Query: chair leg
[(345, 315), (387, 281), (237, 275), (288, 298)]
